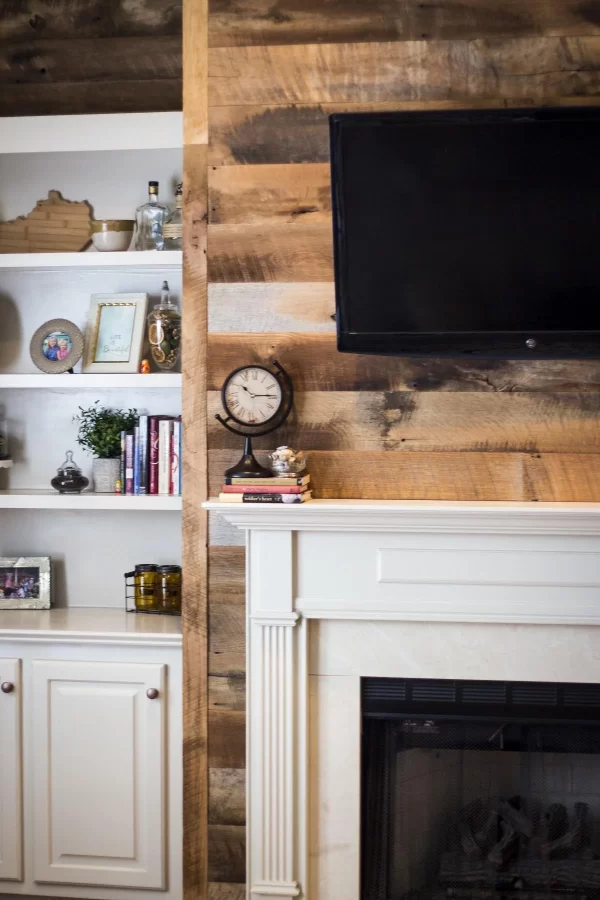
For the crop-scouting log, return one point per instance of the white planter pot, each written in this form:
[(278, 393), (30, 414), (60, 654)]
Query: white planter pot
[(106, 473)]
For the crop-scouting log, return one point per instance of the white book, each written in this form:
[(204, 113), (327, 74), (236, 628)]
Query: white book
[(165, 430), (175, 461)]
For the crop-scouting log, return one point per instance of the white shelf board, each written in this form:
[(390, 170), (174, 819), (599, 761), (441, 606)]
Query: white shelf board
[(143, 259), (112, 131), (154, 381), (88, 500)]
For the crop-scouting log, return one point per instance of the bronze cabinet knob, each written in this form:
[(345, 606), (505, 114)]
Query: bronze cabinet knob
[(151, 693), (7, 687)]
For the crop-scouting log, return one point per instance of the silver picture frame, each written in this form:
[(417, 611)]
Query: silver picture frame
[(29, 581)]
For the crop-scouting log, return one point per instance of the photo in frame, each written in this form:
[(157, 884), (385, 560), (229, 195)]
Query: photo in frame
[(115, 333), (25, 582), (56, 346)]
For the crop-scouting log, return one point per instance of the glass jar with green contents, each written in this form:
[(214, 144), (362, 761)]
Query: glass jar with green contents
[(146, 593), (169, 588)]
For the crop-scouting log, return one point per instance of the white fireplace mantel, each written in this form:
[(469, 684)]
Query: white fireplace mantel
[(337, 590)]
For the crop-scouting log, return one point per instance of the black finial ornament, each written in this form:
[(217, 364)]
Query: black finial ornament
[(256, 401)]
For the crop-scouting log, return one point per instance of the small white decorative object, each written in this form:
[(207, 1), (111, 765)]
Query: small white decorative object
[(287, 461)]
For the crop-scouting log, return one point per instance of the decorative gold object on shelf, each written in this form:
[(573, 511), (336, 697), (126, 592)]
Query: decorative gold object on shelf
[(55, 225), (164, 331)]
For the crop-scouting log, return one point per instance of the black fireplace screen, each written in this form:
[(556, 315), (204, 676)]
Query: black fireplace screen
[(479, 790)]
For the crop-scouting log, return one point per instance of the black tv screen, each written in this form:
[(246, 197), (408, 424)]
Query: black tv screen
[(474, 232)]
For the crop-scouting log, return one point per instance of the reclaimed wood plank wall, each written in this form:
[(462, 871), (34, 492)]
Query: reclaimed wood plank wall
[(89, 56), (374, 427)]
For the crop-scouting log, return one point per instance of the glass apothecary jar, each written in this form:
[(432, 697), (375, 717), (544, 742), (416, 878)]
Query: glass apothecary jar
[(145, 593), (164, 331), (169, 588)]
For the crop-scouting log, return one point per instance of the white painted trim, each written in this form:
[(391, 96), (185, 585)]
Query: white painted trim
[(88, 500), (138, 261), (114, 131), (418, 515), (155, 381)]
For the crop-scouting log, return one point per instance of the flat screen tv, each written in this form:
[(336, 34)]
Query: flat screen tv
[(468, 232)]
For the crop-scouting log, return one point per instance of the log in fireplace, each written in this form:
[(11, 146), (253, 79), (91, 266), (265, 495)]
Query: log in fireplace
[(473, 790)]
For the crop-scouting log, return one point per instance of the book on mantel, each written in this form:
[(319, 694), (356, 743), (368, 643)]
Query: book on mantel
[(266, 490)]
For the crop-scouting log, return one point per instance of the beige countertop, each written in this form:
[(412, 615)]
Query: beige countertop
[(86, 625)]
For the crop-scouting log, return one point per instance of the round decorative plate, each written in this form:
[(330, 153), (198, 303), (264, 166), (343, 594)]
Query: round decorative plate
[(56, 346)]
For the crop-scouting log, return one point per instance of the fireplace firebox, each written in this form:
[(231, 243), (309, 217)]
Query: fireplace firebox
[(478, 790)]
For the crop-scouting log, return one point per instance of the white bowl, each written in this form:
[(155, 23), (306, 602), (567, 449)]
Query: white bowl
[(112, 235)]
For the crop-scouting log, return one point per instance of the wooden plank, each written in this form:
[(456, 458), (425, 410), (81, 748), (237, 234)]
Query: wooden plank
[(226, 638), (194, 521), (227, 740), (78, 59), (227, 693), (410, 421), (270, 253), (269, 195), (300, 133), (222, 891), (273, 307), (195, 62), (152, 95), (315, 364), (227, 853), (527, 68), (87, 18), (226, 575), (402, 476), (290, 22), (227, 796), (564, 477)]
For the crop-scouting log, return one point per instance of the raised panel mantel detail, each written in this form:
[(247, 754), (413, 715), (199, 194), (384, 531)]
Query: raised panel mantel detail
[(381, 562)]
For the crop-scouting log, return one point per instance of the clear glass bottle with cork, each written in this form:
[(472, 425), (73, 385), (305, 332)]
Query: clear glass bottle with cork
[(149, 221), (173, 224)]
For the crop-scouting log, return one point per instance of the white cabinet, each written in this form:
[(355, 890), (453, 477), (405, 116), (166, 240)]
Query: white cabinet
[(99, 773), (10, 770), (90, 756)]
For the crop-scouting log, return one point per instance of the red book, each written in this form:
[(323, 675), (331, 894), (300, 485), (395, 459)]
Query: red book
[(153, 453), (263, 489)]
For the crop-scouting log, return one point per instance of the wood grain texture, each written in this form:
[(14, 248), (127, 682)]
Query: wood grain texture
[(64, 98), (298, 306), (525, 69), (78, 59), (87, 18), (227, 797), (360, 475), (225, 891), (195, 531), (226, 638), (299, 133), (270, 307), (269, 195), (227, 853), (227, 694), (227, 741), (311, 21), (409, 422), (564, 477), (195, 82), (270, 253), (227, 576)]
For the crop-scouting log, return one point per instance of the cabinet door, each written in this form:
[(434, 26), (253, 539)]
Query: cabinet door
[(11, 829), (99, 773)]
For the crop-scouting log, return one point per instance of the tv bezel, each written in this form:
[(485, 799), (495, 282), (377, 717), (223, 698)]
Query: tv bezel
[(482, 344)]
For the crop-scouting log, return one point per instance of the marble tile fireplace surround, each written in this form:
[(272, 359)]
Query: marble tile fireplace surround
[(341, 590)]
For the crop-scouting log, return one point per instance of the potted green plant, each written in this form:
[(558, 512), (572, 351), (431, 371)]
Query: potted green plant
[(100, 434)]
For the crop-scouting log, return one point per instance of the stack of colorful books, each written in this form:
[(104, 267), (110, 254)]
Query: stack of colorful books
[(151, 456), (295, 489)]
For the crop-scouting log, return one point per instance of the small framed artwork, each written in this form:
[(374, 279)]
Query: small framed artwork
[(115, 333), (56, 346), (25, 582)]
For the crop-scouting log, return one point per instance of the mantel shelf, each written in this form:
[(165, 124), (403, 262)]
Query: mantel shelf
[(461, 517), (30, 499), (146, 259), (158, 381)]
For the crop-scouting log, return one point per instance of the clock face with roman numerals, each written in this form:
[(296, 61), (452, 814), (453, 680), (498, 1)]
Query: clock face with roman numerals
[(252, 395)]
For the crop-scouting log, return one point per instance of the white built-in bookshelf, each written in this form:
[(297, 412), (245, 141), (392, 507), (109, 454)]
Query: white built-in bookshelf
[(93, 539)]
